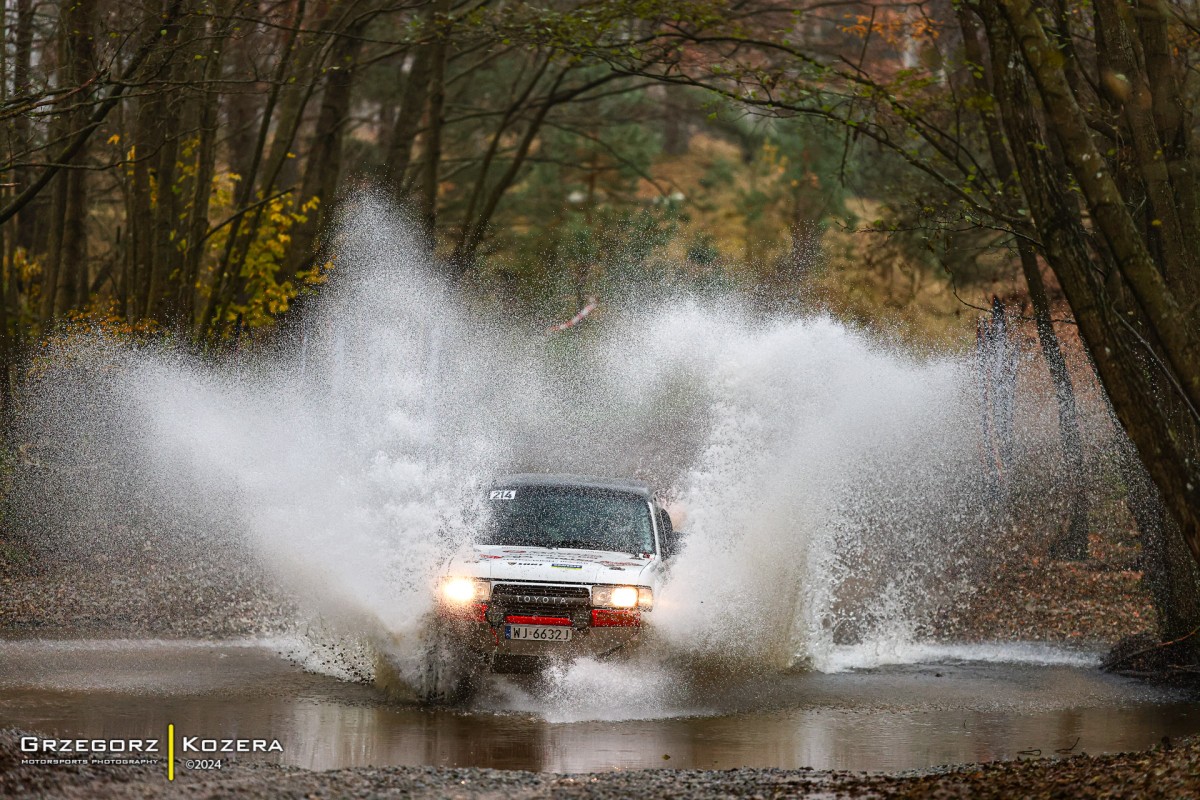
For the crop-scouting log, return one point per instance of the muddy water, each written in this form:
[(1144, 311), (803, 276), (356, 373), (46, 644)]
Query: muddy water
[(885, 718)]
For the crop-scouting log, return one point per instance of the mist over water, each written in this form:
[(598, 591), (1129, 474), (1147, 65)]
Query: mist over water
[(832, 484)]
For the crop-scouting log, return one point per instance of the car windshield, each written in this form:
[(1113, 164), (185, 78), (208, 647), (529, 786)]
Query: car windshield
[(568, 517)]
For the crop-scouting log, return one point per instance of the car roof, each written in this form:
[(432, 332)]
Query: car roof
[(565, 481)]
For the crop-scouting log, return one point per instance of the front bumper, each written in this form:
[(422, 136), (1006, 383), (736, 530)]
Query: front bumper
[(599, 632)]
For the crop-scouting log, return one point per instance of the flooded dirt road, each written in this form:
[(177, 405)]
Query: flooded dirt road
[(885, 718)]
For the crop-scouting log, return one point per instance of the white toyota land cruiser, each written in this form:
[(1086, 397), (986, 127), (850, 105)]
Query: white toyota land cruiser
[(562, 566)]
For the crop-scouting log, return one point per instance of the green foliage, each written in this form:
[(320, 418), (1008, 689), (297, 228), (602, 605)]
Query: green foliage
[(587, 217), (267, 292)]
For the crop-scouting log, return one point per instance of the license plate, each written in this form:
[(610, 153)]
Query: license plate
[(537, 633)]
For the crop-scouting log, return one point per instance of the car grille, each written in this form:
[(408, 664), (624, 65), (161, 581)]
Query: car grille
[(519, 597)]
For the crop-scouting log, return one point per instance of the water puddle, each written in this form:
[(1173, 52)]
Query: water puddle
[(973, 706)]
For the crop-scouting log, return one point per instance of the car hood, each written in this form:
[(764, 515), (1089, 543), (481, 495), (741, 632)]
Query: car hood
[(553, 565)]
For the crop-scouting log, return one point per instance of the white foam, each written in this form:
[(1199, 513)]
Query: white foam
[(590, 690), (881, 654), (833, 482)]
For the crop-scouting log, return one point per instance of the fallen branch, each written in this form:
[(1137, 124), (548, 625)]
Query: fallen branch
[(1065, 750), (1191, 668), (1160, 646)]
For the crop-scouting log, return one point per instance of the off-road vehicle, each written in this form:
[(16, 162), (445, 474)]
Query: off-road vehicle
[(561, 566)]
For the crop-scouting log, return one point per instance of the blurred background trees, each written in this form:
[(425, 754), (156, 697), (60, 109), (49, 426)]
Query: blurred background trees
[(174, 164)]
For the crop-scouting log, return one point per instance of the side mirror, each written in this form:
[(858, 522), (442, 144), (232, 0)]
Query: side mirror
[(668, 536)]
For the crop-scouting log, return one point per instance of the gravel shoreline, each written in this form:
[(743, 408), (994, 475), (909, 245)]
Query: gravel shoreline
[(1171, 770), (155, 593)]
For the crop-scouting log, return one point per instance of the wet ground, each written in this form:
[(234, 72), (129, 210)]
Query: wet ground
[(959, 705)]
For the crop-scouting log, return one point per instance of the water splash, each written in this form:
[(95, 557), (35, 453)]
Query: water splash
[(832, 482), (589, 689)]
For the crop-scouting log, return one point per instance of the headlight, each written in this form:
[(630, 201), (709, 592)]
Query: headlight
[(623, 597), (460, 591)]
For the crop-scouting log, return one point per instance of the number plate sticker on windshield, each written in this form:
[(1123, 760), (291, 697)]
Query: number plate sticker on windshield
[(537, 633)]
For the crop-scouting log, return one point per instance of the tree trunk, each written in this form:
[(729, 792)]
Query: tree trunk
[(243, 106), (1122, 334), (7, 253), (74, 274), (147, 141), (75, 285), (6, 274), (99, 110), (1170, 573), (408, 122), (68, 254), (206, 151), (324, 163), (22, 63), (1074, 544), (436, 117), (164, 247), (676, 136), (303, 51), (1146, 344), (52, 268), (473, 225), (163, 231), (307, 56)]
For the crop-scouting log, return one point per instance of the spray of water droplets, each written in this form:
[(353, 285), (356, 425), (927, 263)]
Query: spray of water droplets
[(832, 484)]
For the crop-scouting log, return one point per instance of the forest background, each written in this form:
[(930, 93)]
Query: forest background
[(211, 143), (172, 168)]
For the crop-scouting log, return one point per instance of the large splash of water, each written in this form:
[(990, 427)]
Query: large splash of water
[(832, 482)]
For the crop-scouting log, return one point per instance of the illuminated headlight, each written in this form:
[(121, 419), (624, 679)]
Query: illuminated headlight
[(623, 597), (460, 591)]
